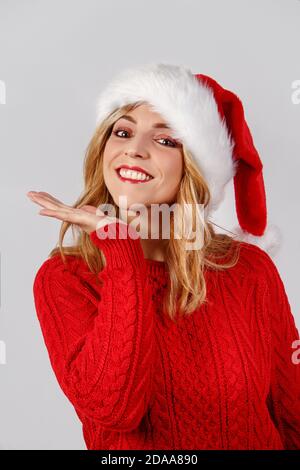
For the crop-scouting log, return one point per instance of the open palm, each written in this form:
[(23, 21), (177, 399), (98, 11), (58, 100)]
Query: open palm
[(88, 218)]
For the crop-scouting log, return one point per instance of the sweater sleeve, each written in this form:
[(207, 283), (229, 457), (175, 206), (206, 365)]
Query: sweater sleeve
[(101, 350), (284, 394)]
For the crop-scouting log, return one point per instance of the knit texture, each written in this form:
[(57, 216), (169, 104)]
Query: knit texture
[(222, 378)]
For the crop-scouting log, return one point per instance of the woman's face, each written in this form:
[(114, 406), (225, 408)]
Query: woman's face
[(140, 139)]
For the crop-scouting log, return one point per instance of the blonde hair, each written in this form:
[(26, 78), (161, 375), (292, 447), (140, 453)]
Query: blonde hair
[(187, 287)]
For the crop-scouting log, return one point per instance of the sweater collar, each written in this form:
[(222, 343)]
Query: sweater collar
[(156, 268)]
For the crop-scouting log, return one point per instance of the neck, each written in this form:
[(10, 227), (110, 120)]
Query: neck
[(153, 248)]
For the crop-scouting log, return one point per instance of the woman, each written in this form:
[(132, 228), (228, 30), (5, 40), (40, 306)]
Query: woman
[(156, 345)]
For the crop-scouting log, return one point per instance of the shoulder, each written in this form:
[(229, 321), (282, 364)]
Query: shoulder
[(253, 260), (56, 279), (72, 272), (55, 266), (252, 264), (254, 276)]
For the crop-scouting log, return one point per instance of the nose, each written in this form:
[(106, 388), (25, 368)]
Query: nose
[(137, 147), (136, 154)]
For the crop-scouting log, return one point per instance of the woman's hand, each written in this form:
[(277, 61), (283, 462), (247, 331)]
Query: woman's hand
[(88, 218)]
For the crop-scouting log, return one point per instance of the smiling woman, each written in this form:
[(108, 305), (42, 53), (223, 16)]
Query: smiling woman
[(176, 180), (143, 147), (158, 346)]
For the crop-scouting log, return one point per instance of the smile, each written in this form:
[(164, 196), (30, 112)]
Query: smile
[(132, 176)]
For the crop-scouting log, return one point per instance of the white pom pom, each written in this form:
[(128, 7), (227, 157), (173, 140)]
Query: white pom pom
[(270, 241)]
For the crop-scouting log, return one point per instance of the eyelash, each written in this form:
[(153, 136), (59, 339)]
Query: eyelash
[(123, 130)]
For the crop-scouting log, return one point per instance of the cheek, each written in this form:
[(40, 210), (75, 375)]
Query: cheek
[(108, 156), (172, 174), (173, 168), (107, 165)]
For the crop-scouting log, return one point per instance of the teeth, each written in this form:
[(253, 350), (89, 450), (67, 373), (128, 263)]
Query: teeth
[(134, 175)]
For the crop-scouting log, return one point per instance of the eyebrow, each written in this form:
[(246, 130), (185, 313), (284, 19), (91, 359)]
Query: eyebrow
[(160, 125)]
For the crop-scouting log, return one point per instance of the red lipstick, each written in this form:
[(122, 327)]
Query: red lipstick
[(136, 168)]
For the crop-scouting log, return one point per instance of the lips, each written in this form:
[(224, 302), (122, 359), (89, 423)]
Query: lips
[(130, 180), (135, 168)]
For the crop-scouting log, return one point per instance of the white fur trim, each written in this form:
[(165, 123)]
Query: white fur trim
[(270, 241), (189, 107)]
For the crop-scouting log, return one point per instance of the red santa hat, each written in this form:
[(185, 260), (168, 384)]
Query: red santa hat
[(210, 122)]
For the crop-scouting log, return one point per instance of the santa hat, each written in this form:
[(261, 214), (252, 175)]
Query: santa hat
[(210, 122)]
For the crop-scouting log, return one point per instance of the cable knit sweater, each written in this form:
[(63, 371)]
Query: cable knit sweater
[(222, 378)]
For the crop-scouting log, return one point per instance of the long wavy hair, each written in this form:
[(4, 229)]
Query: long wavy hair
[(186, 288)]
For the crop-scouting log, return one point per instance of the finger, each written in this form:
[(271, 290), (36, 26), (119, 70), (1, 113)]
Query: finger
[(44, 196), (42, 193), (46, 201), (74, 216), (39, 200), (49, 213), (59, 213), (89, 208), (107, 220)]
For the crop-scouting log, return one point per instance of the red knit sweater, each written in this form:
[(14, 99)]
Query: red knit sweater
[(222, 378)]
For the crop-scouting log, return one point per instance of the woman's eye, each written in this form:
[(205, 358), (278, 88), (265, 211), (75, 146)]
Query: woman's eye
[(119, 130), (171, 142)]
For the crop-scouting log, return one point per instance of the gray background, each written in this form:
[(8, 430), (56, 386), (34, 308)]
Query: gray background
[(55, 56)]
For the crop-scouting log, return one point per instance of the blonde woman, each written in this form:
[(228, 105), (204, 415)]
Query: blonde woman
[(156, 345)]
